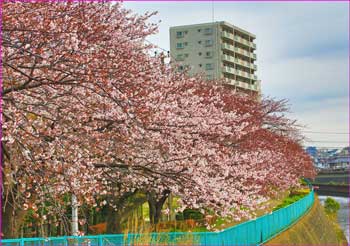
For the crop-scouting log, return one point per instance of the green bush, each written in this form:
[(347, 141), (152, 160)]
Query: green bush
[(179, 216), (189, 214), (303, 182), (192, 214), (331, 206)]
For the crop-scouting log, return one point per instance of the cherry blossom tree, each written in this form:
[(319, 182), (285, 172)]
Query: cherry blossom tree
[(88, 112), (64, 63)]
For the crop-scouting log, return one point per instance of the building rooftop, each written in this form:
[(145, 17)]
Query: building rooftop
[(217, 22)]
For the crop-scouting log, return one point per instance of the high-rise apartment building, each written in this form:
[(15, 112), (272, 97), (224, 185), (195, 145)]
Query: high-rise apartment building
[(217, 50)]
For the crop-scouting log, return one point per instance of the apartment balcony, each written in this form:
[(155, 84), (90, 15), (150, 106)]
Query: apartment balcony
[(237, 60), (234, 71), (243, 52), (245, 42), (230, 70), (227, 35), (227, 46), (243, 63), (253, 77), (230, 81), (243, 74), (244, 85), (257, 85), (228, 58), (248, 86), (253, 55)]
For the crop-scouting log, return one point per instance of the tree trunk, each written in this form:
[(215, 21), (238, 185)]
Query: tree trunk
[(114, 224), (125, 205), (158, 214), (152, 209), (155, 206), (12, 218), (8, 215)]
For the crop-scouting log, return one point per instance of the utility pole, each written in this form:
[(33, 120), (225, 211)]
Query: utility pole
[(75, 229)]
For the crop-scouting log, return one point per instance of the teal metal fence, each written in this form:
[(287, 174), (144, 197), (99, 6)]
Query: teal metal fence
[(253, 232)]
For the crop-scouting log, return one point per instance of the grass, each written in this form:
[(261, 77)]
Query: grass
[(315, 228), (222, 223), (140, 224)]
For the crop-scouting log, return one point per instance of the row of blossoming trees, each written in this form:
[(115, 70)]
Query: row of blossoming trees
[(87, 111)]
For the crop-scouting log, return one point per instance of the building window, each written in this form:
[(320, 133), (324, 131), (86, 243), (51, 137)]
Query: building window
[(209, 66), (185, 55), (199, 30), (200, 53), (199, 42), (185, 43), (200, 65), (208, 31), (179, 46), (181, 68), (209, 76), (185, 32), (208, 42), (208, 54), (179, 34)]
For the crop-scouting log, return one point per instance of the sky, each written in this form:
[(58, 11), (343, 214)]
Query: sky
[(302, 55)]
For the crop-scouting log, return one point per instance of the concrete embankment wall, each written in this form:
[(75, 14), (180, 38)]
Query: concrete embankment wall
[(314, 228), (333, 190), (333, 177)]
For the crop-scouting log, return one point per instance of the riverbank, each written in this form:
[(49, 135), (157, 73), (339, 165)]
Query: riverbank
[(315, 228), (343, 213)]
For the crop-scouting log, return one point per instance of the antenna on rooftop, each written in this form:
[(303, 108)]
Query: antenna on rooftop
[(212, 10)]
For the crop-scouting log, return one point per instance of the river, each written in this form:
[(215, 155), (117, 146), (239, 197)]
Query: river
[(343, 213)]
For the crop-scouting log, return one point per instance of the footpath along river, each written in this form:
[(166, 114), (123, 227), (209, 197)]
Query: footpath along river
[(343, 213)]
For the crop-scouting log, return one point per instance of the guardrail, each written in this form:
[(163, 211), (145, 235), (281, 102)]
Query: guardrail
[(252, 232)]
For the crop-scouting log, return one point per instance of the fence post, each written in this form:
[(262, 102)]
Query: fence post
[(22, 242), (100, 240)]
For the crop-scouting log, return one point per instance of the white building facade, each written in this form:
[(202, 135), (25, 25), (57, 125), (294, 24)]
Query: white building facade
[(217, 50)]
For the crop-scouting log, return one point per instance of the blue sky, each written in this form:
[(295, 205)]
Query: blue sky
[(302, 50)]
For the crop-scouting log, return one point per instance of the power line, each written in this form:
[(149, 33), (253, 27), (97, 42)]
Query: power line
[(326, 147), (326, 132), (311, 141), (157, 46)]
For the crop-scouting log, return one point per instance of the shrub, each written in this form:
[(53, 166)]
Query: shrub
[(189, 214), (179, 216), (301, 192), (303, 182), (331, 206)]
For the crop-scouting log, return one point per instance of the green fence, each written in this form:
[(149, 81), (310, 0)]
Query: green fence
[(252, 232)]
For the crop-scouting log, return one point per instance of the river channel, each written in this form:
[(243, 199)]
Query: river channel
[(343, 213)]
